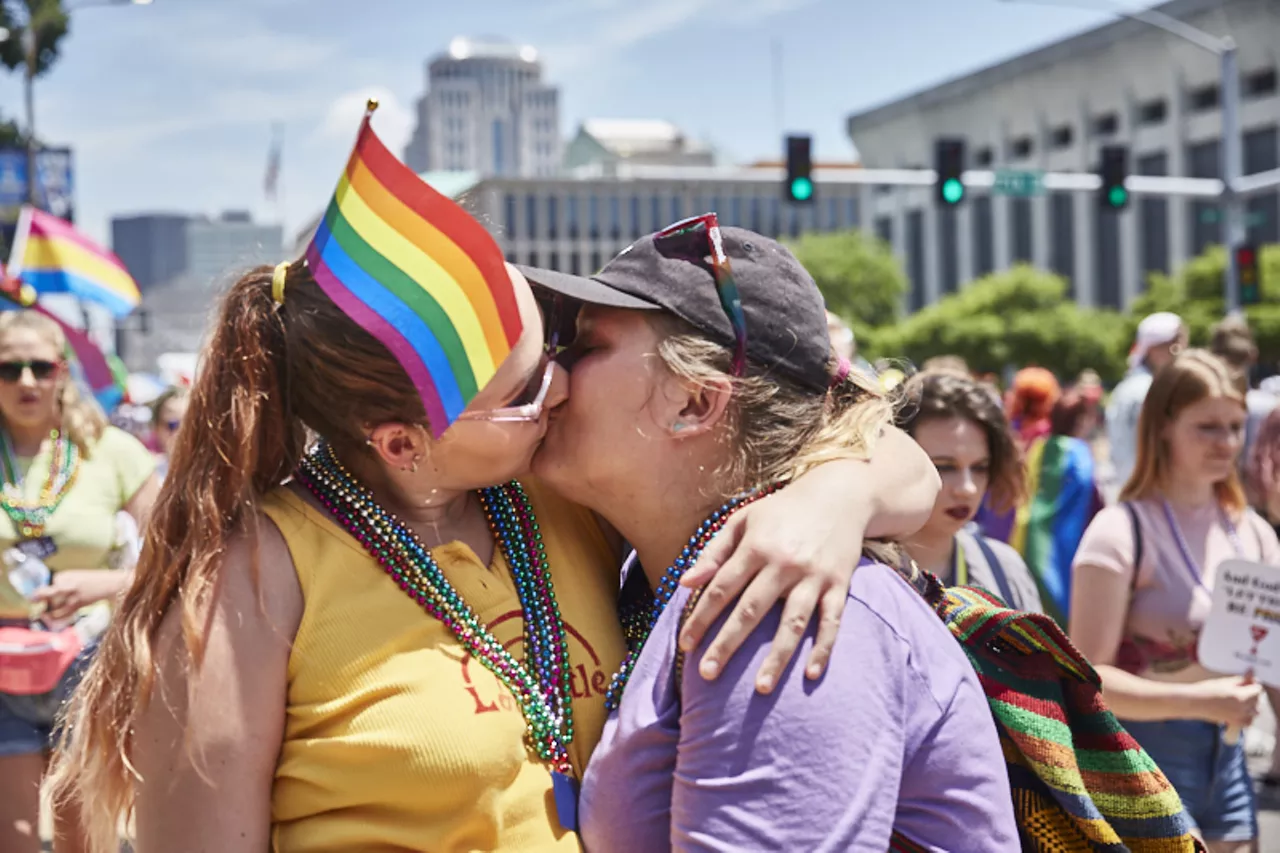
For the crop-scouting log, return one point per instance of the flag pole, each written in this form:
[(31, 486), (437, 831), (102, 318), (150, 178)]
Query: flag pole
[(19, 248)]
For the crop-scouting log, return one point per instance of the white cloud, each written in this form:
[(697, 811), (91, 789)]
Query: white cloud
[(393, 121)]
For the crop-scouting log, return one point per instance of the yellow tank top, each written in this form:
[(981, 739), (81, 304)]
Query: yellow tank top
[(396, 740)]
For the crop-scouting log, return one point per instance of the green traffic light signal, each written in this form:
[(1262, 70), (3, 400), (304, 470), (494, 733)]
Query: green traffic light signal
[(801, 189), (952, 190), (1117, 196)]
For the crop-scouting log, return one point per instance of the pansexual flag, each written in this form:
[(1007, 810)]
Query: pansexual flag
[(419, 274), (53, 257)]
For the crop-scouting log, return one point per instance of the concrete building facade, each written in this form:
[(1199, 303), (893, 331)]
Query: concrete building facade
[(153, 246), (487, 110), (1125, 83)]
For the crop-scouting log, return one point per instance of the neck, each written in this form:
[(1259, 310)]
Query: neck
[(26, 439), (1188, 492), (932, 550), (436, 514), (658, 517)]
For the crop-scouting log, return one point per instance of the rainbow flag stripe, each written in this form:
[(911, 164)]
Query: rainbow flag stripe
[(419, 274), (54, 257)]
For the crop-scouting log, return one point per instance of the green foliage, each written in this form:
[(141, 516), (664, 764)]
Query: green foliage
[(859, 277), (1195, 293), (1017, 317), (11, 136), (47, 18)]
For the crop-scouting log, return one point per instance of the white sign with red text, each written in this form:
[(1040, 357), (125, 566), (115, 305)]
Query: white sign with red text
[(1242, 633)]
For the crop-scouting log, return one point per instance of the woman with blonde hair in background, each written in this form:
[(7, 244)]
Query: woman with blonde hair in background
[(67, 474), (1142, 585)]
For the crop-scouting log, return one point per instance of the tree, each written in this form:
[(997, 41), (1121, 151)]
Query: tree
[(858, 275), (47, 18), (1195, 293), (1018, 317)]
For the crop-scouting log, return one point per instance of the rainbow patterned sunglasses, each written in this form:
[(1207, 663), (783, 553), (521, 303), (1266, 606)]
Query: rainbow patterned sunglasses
[(726, 286)]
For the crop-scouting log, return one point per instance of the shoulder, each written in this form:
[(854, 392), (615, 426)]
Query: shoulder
[(1009, 563), (116, 441)]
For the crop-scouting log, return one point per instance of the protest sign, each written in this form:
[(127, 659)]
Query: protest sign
[(1242, 633)]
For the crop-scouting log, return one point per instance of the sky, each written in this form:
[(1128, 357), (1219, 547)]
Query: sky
[(170, 107)]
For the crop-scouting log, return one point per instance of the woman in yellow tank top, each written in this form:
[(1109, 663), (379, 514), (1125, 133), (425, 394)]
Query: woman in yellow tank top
[(276, 680)]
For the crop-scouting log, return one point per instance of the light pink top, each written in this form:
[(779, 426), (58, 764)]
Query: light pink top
[(1168, 607)]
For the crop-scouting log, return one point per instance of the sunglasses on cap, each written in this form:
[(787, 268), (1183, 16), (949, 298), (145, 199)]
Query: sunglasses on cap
[(11, 371), (706, 227)]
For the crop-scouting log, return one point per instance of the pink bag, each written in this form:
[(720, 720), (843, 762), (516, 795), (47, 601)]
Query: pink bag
[(32, 662)]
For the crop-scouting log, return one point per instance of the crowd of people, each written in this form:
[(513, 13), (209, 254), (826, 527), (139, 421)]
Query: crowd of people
[(347, 630)]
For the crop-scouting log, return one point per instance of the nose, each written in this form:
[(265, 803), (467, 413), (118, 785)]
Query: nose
[(967, 485), (28, 378)]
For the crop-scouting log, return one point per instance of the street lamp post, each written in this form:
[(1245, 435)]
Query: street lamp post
[(31, 54), (1229, 147)]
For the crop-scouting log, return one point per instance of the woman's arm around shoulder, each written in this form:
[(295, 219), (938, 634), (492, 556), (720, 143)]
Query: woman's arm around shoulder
[(207, 744)]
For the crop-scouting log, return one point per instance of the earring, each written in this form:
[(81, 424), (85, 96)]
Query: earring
[(677, 426), (413, 468)]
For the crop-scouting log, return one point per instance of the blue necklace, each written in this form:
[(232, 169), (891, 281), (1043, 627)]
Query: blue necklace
[(638, 616)]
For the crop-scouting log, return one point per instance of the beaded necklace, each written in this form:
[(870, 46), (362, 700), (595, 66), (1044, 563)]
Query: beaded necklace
[(29, 519), (639, 616), (541, 685)]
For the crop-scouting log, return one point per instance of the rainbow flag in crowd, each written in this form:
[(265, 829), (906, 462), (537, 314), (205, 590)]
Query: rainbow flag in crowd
[(419, 274), (53, 257), (1064, 498), (89, 362)]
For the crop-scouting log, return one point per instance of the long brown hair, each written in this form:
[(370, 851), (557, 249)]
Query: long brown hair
[(81, 419), (269, 374), (1192, 376)]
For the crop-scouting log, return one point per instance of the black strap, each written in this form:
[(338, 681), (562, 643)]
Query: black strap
[(1137, 542), (997, 571)]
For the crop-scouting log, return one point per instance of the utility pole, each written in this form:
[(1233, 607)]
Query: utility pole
[(30, 51)]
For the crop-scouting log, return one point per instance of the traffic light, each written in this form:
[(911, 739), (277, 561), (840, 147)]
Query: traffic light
[(1115, 168), (799, 185), (1247, 274), (948, 162)]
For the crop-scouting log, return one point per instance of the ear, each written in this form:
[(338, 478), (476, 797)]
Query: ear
[(402, 446), (702, 408)]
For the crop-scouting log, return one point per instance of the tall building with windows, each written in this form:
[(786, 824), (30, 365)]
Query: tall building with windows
[(1125, 83), (487, 110), (576, 223)]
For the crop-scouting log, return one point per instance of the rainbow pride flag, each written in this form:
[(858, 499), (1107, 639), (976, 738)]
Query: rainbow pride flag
[(1048, 528), (53, 257), (419, 274)]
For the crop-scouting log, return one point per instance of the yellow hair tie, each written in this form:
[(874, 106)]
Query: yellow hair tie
[(277, 282)]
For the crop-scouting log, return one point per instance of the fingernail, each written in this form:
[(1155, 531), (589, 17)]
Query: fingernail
[(764, 684), (813, 671), (709, 669), (686, 643)]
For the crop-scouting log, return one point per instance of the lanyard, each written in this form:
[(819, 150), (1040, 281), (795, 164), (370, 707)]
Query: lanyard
[(959, 565), (1195, 571)]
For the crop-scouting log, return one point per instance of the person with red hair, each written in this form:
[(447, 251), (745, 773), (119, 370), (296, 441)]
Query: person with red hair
[(1031, 399)]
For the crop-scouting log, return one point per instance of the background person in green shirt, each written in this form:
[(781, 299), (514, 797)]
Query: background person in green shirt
[(67, 475)]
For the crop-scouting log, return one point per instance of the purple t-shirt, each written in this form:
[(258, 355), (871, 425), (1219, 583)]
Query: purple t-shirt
[(896, 735)]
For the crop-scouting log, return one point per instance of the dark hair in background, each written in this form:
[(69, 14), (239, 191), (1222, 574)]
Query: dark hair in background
[(1072, 408), (944, 394), (1232, 341)]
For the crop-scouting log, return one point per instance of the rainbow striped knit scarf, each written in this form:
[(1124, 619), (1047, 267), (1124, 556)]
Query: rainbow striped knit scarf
[(1080, 782)]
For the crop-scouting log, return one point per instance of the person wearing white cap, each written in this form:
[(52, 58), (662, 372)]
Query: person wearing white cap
[(1160, 337)]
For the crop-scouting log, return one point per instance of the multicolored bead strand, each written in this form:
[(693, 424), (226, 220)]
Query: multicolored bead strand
[(639, 617), (541, 685), (29, 519)]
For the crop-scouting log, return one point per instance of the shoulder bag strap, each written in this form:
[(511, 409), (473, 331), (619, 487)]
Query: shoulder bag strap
[(997, 570), (1137, 542)]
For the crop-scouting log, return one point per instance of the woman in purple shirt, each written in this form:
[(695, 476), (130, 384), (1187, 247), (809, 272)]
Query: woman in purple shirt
[(702, 378)]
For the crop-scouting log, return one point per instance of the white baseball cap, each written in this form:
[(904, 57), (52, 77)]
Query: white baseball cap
[(1155, 330)]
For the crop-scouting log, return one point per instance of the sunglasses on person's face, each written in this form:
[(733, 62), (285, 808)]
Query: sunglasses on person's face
[(172, 426), (11, 371), (707, 226)]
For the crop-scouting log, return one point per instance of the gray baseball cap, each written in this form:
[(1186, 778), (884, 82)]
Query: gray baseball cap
[(785, 316)]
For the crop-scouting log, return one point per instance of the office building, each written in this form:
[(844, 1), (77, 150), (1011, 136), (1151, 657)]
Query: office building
[(152, 246), (487, 110), (601, 145), (217, 248), (1125, 83)]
